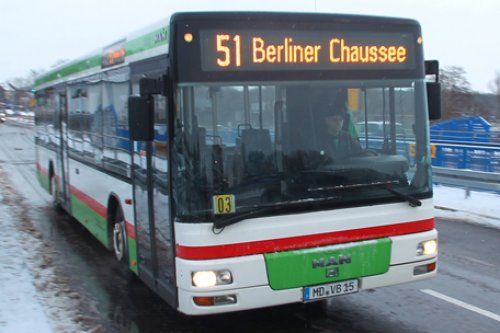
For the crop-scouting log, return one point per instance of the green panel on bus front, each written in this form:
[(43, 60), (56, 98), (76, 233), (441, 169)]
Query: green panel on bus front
[(298, 268)]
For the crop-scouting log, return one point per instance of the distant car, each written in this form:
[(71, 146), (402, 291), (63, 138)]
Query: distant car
[(378, 128), (3, 117)]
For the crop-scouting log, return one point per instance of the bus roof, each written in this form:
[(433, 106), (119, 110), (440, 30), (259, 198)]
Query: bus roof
[(145, 43), (154, 41)]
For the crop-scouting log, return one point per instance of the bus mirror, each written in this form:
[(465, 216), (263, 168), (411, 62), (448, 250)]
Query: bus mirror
[(433, 89), (434, 100), (141, 118)]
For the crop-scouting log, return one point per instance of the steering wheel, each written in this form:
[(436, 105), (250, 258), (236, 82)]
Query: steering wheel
[(369, 152)]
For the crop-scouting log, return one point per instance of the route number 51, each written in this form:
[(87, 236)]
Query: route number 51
[(229, 50)]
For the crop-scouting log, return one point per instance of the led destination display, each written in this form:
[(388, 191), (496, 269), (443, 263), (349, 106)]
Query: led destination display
[(304, 50)]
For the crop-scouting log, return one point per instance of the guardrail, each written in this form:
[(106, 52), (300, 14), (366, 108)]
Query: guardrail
[(466, 153), (469, 179), (466, 143), (461, 155)]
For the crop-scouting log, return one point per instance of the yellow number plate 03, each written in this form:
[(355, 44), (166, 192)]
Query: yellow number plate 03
[(224, 204)]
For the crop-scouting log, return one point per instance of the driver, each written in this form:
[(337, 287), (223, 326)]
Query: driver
[(340, 141)]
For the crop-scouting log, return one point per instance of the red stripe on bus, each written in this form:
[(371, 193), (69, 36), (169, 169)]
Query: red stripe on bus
[(300, 242), (130, 230), (90, 202), (99, 209), (43, 171)]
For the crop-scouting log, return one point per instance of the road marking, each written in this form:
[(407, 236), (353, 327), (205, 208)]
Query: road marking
[(477, 261), (462, 304)]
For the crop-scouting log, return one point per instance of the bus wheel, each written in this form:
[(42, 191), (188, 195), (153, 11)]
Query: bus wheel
[(120, 239), (55, 194)]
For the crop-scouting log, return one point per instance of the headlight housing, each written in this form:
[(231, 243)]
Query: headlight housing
[(427, 248), (207, 279)]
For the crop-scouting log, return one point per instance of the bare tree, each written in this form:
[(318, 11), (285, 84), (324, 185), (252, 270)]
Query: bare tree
[(17, 91), (454, 79), (495, 88), (458, 98), (495, 84)]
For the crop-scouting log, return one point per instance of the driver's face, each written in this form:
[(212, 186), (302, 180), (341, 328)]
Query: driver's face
[(334, 124)]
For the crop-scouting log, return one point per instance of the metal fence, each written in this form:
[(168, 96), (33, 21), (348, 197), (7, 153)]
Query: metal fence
[(466, 152), (456, 155)]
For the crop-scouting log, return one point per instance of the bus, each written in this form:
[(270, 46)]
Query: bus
[(196, 150)]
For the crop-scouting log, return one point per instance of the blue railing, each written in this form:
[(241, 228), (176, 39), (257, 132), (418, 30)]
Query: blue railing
[(466, 143), (466, 156), (473, 129)]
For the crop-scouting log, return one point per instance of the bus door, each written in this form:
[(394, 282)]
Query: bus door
[(63, 152), (154, 233)]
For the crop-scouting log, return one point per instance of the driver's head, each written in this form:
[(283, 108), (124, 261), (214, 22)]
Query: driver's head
[(334, 120)]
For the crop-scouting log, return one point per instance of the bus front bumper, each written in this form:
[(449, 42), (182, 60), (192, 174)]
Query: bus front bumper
[(250, 288)]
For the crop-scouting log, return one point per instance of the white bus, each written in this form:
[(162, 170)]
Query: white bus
[(198, 150)]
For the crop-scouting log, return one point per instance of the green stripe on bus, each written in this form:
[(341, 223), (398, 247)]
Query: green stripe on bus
[(144, 43), (43, 180), (80, 66), (90, 219), (147, 42), (98, 226), (292, 269), (132, 255)]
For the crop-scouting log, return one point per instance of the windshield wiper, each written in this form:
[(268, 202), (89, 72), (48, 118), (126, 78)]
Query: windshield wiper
[(225, 220), (412, 201), (350, 186), (222, 221), (386, 185)]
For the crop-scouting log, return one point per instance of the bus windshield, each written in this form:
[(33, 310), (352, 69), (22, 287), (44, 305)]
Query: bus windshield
[(257, 149)]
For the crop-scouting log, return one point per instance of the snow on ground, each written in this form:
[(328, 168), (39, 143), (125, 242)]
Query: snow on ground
[(20, 307), (33, 296), (31, 302), (479, 207)]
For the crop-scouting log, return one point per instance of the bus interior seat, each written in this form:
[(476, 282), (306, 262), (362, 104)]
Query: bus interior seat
[(256, 147), (202, 137)]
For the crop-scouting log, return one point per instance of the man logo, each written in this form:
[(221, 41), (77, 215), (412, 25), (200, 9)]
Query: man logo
[(331, 264), (331, 261)]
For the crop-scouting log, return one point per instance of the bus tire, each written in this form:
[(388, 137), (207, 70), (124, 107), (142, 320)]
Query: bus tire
[(119, 238)]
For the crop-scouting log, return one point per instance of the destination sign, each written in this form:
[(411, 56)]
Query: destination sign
[(113, 54), (245, 50)]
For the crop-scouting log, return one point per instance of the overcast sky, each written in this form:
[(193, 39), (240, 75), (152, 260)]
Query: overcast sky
[(36, 34)]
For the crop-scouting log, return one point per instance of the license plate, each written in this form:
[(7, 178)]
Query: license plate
[(330, 290)]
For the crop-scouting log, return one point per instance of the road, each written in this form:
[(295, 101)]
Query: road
[(464, 297)]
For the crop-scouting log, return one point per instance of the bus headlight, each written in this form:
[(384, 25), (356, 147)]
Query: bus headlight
[(427, 248), (206, 279)]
